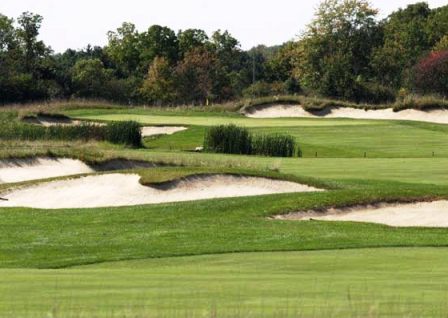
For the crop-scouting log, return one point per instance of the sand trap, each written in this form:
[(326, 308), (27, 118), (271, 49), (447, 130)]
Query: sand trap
[(42, 168), (426, 214), (52, 121), (276, 111), (165, 130), (125, 189)]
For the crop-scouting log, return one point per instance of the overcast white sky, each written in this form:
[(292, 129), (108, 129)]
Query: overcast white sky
[(76, 23)]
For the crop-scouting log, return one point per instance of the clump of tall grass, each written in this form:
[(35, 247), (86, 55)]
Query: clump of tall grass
[(420, 103), (276, 145), (231, 139), (126, 133)]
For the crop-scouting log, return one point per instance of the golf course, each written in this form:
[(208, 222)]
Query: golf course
[(100, 229), (223, 159)]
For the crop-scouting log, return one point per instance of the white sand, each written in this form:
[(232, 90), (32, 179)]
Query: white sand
[(40, 168), (422, 214), (165, 130), (50, 121), (47, 122), (276, 111), (125, 189)]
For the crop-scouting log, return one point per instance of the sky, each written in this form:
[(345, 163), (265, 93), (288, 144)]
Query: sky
[(76, 23)]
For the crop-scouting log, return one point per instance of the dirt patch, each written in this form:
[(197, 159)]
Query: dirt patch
[(19, 170), (277, 111), (420, 214), (125, 190), (165, 130)]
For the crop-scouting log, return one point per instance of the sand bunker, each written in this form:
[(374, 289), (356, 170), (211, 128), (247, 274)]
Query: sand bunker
[(166, 130), (42, 168), (53, 121), (422, 214), (125, 189), (276, 111)]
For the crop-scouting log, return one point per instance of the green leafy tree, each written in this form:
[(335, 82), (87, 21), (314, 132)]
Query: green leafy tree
[(280, 67), (90, 78), (191, 39), (124, 49), (405, 40), (337, 46), (158, 41), (442, 45), (35, 52)]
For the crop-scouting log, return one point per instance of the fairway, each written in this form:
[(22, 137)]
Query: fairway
[(406, 282)]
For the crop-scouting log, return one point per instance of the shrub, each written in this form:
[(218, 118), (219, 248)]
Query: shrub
[(372, 93), (263, 89), (231, 139), (292, 86), (430, 75)]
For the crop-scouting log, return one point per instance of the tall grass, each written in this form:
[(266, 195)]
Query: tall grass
[(231, 139), (127, 133), (124, 132), (276, 145)]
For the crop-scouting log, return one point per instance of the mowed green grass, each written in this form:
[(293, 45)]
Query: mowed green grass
[(35, 238), (159, 117), (388, 282), (326, 138)]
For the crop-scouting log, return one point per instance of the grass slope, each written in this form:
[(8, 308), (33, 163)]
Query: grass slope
[(406, 282)]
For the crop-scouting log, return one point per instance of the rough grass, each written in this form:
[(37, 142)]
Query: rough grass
[(421, 103), (123, 132)]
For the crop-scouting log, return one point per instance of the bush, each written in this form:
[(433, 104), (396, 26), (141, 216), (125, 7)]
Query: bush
[(373, 93), (231, 139), (292, 86), (263, 89), (430, 75)]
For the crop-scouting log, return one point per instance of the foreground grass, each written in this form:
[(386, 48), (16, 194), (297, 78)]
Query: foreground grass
[(406, 282), (61, 238)]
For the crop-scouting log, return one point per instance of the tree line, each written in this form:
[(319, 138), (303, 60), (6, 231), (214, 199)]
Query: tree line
[(346, 52)]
